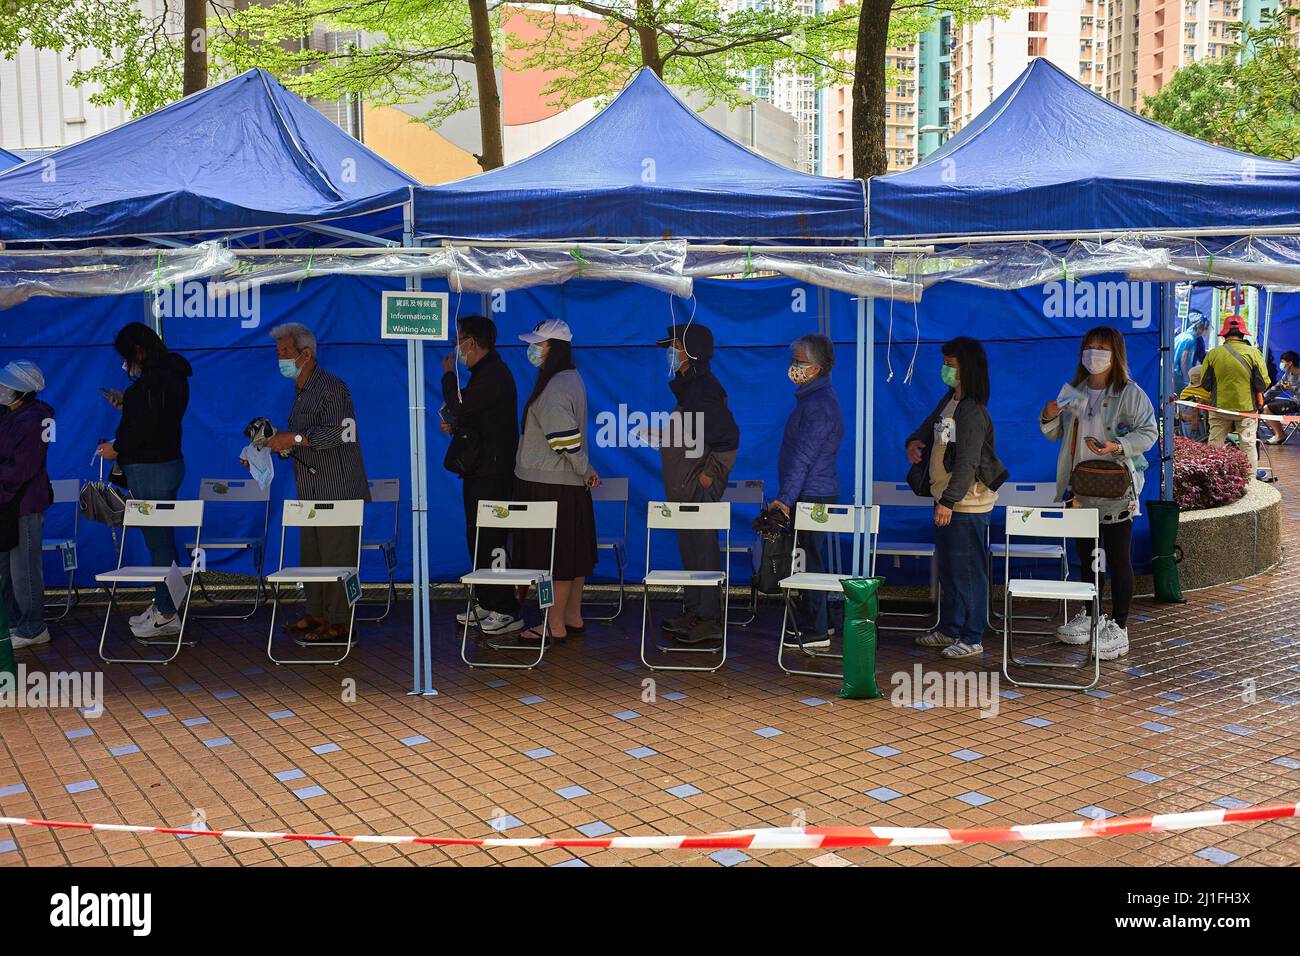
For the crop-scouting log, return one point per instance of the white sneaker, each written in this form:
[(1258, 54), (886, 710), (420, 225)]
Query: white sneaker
[(158, 627), (1078, 629), (20, 642), (145, 616), (935, 639), (494, 623), (1112, 642), (958, 649), (474, 616)]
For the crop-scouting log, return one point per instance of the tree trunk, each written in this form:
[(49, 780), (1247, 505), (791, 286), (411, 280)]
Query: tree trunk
[(869, 89), (648, 36), (196, 46), (489, 95)]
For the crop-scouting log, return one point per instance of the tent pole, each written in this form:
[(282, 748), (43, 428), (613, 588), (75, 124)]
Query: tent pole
[(1168, 315), (1268, 320)]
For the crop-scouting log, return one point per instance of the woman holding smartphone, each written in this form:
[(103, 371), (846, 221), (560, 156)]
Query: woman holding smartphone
[(1104, 417)]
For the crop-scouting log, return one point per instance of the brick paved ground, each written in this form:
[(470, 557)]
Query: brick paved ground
[(573, 748)]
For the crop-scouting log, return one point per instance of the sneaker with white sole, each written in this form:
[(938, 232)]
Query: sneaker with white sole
[(145, 616), (1112, 642), (809, 640), (494, 622), (1078, 630), (476, 614), (958, 649), (20, 642), (935, 639), (158, 627)]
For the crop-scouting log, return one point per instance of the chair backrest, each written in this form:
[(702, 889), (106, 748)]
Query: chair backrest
[(689, 515), (385, 489), (66, 490), (322, 514), (517, 514), (1051, 522), (897, 494), (1028, 494), (744, 491), (835, 519), (232, 489), (610, 489), (144, 513)]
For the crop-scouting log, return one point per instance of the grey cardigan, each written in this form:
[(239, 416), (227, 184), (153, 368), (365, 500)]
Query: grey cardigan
[(553, 449)]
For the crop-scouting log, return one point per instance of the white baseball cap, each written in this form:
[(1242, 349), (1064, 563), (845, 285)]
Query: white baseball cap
[(548, 329), (22, 376)]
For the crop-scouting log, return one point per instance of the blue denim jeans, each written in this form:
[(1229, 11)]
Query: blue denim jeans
[(158, 482), (961, 552), (22, 579), (810, 609)]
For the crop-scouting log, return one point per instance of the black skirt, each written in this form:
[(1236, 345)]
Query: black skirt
[(575, 531)]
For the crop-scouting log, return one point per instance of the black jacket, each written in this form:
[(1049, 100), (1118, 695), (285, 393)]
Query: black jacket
[(971, 456), (484, 417), (152, 410)]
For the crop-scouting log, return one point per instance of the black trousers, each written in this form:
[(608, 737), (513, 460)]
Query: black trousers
[(499, 598), (1117, 543)]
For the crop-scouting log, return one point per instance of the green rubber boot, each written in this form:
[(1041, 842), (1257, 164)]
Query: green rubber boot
[(861, 605), (7, 666), (1162, 517)]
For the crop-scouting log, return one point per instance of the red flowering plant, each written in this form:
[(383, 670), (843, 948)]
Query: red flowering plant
[(1208, 476)]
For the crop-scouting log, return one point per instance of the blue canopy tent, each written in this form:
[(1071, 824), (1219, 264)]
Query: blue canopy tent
[(8, 159), (245, 159)]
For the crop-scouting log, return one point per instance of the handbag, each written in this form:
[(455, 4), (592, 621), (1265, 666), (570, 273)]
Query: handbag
[(1098, 477), (777, 556), (464, 454)]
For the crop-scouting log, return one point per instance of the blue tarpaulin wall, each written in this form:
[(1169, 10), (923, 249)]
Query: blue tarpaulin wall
[(1284, 331), (236, 378)]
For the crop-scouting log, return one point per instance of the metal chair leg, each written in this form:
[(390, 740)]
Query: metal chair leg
[(464, 642), (259, 596), (176, 649), (618, 608), (725, 604), (346, 645), (390, 598), (788, 615)]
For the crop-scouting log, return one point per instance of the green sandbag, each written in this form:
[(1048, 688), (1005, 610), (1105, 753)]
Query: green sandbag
[(861, 605), (7, 665), (1162, 517)]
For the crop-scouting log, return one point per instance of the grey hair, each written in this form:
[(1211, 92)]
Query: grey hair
[(819, 349), (303, 337)]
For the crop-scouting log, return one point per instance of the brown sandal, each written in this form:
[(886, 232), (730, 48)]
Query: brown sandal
[(327, 634), (305, 625)]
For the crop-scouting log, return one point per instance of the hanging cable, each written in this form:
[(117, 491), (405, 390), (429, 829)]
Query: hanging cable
[(915, 275)]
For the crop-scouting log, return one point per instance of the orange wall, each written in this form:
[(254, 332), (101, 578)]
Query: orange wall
[(413, 147)]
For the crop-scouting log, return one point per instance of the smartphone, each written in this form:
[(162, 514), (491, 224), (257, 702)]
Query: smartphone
[(1095, 444)]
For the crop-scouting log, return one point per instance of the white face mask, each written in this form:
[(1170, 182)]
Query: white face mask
[(7, 395), (1096, 361)]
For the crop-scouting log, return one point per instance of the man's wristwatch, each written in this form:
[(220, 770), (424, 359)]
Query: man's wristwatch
[(297, 439)]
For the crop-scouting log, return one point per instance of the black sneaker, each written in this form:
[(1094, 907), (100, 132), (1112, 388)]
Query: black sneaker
[(703, 631), (809, 640), (682, 624)]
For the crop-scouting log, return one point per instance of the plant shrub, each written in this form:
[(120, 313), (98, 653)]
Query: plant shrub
[(1208, 476)]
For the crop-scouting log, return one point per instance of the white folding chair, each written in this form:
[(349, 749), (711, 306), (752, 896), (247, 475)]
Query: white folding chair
[(510, 516), (747, 491), (317, 514), (67, 491), (612, 490), (895, 494), (142, 513), (385, 491), (688, 516), (1052, 523), (1029, 494), (860, 521), (245, 491)]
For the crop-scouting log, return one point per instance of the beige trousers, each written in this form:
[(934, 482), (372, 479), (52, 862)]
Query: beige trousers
[(1221, 425)]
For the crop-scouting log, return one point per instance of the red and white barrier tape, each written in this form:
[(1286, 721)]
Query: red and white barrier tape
[(1262, 416), (778, 838)]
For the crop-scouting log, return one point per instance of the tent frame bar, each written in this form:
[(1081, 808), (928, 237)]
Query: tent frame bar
[(1243, 232)]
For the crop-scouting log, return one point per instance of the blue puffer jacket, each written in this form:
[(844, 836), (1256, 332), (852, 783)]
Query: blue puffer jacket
[(813, 432)]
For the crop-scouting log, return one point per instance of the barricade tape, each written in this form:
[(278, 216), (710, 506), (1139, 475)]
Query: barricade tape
[(1262, 416), (776, 838)]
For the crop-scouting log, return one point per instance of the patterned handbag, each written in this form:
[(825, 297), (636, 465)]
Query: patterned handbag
[(1099, 477)]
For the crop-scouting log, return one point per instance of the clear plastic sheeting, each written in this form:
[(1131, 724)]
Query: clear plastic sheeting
[(488, 268), (259, 270), (866, 274), (95, 272)]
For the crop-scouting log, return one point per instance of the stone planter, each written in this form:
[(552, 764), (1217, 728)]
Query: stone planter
[(1233, 542)]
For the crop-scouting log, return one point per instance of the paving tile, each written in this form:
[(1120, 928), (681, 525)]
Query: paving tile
[(531, 699), (640, 753), (8, 846), (975, 798), (1145, 776), (768, 732), (284, 776), (537, 753), (124, 750), (82, 786), (573, 792), (1215, 855), (884, 794), (415, 740), (966, 754), (79, 733), (627, 715), (884, 750), (1156, 727), (684, 790), (280, 714), (1039, 722), (306, 793), (217, 742), (321, 749), (594, 830), (12, 789), (729, 857)]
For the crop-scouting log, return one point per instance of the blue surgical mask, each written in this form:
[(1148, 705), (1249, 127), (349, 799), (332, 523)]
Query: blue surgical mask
[(535, 355), (289, 368), (674, 361)]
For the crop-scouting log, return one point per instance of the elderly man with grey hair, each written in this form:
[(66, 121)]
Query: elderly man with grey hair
[(322, 441), (806, 466)]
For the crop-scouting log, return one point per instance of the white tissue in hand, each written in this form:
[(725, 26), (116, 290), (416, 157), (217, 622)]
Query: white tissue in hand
[(1068, 396), (260, 464)]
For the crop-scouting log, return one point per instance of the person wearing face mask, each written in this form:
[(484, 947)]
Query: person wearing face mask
[(322, 440), (1236, 376), (1185, 347), (1105, 416), (697, 470), (552, 465), (25, 494), (480, 415), (963, 476), (1288, 383), (147, 446), (806, 467)]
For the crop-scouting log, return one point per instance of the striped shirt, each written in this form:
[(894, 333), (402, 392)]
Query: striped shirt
[(329, 466)]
